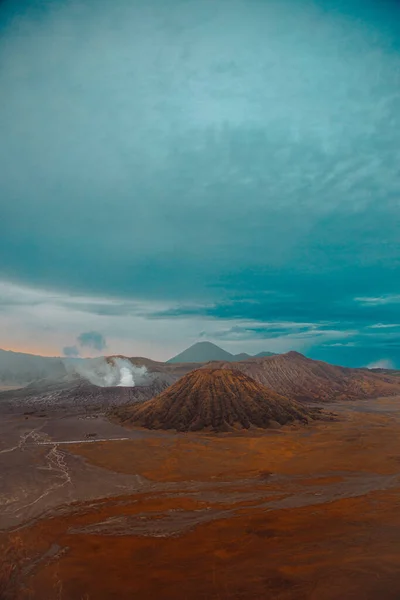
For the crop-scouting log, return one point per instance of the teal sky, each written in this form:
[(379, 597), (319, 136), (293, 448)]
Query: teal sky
[(188, 170)]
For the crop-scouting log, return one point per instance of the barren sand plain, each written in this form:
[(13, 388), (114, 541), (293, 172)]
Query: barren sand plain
[(94, 511)]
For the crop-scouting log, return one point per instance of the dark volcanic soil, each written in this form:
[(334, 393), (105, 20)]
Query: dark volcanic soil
[(76, 396), (72, 393)]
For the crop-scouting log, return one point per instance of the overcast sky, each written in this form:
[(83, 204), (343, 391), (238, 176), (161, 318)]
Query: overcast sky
[(223, 170)]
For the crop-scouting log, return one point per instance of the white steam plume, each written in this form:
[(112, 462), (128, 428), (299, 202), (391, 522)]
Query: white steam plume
[(126, 378), (384, 363), (114, 372)]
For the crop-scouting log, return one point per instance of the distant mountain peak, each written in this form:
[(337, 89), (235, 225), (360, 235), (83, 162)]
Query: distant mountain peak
[(205, 345), (203, 352), (241, 356), (295, 354)]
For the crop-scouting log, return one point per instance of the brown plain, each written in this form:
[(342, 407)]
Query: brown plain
[(304, 512)]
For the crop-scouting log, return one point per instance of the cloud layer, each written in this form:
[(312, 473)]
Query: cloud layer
[(221, 167)]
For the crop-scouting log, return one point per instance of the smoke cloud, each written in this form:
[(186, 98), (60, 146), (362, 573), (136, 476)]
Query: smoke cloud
[(88, 339), (112, 372), (384, 363), (92, 339), (126, 378)]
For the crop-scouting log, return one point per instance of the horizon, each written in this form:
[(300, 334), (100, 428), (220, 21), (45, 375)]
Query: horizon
[(220, 171), (114, 354)]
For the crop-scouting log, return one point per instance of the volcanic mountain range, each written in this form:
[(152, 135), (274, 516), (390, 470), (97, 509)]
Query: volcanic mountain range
[(18, 369), (258, 392), (291, 375), (296, 376)]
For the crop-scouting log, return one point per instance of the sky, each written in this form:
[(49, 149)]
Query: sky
[(182, 171)]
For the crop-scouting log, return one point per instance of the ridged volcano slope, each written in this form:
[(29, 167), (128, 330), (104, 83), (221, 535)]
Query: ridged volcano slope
[(295, 376), (215, 400)]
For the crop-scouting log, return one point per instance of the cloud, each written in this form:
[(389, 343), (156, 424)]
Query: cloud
[(313, 303), (385, 326), (70, 351), (204, 189), (92, 339), (378, 301), (209, 197), (267, 331)]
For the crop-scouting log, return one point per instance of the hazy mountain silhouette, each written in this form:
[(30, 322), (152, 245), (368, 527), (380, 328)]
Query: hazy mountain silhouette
[(19, 369), (206, 351)]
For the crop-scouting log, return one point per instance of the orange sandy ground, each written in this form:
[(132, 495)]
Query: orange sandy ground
[(345, 549)]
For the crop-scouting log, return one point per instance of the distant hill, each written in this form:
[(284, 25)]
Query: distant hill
[(19, 369), (241, 356), (393, 372), (214, 400), (296, 376), (202, 352)]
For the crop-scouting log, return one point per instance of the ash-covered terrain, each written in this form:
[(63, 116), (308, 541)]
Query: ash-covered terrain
[(91, 384)]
